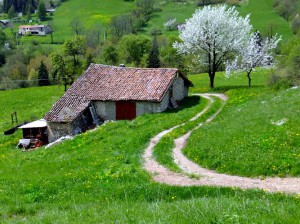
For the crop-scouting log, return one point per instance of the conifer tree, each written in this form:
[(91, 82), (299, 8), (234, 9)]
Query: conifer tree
[(153, 59), (11, 12), (43, 75), (41, 11)]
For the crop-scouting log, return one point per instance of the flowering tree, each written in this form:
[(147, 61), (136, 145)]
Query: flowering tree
[(253, 53), (170, 24), (212, 34)]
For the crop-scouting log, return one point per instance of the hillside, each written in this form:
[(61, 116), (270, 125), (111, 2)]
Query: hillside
[(263, 16), (89, 12), (98, 175)]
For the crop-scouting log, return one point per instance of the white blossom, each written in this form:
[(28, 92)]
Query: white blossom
[(252, 53), (170, 23), (212, 34)]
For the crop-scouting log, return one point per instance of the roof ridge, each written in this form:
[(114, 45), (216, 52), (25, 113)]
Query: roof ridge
[(115, 66)]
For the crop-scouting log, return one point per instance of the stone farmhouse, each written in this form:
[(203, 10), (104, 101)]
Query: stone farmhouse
[(40, 30), (114, 93)]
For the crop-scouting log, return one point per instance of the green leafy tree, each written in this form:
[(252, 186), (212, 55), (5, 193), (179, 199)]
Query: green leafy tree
[(287, 72), (68, 61), (61, 70), (110, 55), (153, 59), (89, 60), (144, 8), (134, 48), (291, 59), (296, 23), (122, 25), (77, 26), (41, 11), (73, 50), (43, 75)]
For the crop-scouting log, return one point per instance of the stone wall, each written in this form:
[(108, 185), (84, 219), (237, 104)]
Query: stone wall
[(57, 130)]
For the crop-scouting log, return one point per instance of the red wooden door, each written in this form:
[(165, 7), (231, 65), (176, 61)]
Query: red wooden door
[(125, 110)]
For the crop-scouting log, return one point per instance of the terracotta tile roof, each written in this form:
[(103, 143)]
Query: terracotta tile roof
[(112, 83), (31, 26), (67, 108)]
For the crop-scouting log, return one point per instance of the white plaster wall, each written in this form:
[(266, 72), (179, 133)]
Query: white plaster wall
[(106, 110), (144, 107), (163, 105), (186, 91), (178, 89)]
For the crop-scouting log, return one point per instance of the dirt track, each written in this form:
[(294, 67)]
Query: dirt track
[(207, 177)]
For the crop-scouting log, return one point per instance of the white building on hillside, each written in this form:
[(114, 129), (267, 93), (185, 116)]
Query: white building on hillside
[(40, 30)]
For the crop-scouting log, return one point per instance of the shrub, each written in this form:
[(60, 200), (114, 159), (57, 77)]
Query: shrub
[(296, 23), (279, 80), (209, 2), (233, 2)]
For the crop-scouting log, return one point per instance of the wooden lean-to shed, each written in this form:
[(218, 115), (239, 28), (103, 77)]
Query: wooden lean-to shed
[(35, 134), (114, 93)]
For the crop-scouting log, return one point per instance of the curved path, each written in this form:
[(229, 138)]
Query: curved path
[(207, 177)]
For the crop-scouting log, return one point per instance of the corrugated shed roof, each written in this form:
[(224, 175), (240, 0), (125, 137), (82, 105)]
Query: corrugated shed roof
[(35, 124), (112, 83)]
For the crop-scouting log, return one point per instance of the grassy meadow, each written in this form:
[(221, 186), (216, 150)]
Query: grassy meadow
[(29, 104), (93, 13), (89, 12), (98, 176), (264, 18), (259, 131)]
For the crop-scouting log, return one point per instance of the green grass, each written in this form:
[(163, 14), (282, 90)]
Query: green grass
[(89, 12), (163, 150), (222, 84), (170, 10), (263, 16), (252, 143), (98, 177), (29, 103)]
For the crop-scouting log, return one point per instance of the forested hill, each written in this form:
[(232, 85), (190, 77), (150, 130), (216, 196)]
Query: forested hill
[(27, 6)]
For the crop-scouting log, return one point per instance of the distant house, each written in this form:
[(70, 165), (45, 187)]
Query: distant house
[(114, 93), (40, 30)]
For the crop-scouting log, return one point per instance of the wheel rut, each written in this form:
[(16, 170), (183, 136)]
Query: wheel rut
[(206, 177)]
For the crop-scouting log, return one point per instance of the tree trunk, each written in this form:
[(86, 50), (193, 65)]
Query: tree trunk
[(249, 79), (211, 79)]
